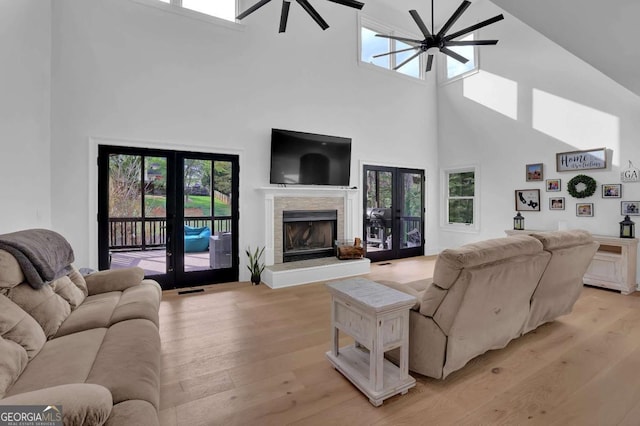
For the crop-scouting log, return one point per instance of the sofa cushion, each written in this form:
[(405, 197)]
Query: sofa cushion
[(133, 412), (76, 277), (66, 289), (94, 312), (82, 404), (10, 273), (141, 301), (43, 304), (432, 297), (114, 280), (451, 261), (63, 360), (560, 239), (128, 363), (20, 327), (414, 288), (13, 360)]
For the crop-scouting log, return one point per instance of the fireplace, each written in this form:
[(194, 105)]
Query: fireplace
[(308, 234)]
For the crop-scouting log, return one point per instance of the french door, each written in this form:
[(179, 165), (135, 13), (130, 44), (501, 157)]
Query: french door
[(393, 212), (172, 213)]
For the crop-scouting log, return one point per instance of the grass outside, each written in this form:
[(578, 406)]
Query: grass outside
[(202, 202)]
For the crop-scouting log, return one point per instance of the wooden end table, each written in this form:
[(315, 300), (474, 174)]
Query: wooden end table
[(377, 317)]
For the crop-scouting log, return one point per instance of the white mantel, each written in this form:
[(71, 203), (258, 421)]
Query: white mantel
[(350, 197)]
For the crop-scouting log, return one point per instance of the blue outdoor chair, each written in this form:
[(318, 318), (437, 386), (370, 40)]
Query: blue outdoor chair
[(196, 239)]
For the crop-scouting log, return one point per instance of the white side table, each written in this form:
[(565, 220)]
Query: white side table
[(377, 317)]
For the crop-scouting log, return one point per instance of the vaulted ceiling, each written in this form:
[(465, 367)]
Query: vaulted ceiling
[(604, 34)]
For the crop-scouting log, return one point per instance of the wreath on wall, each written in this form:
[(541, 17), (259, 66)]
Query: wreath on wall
[(589, 183)]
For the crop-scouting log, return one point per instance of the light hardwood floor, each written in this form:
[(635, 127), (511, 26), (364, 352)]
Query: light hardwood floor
[(243, 355)]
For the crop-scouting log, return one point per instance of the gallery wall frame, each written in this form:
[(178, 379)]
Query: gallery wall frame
[(584, 209), (581, 160), (630, 208), (611, 190), (556, 203), (534, 172), (527, 200), (553, 185)]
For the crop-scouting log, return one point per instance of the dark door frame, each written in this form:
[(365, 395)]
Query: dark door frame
[(175, 277), (396, 252)]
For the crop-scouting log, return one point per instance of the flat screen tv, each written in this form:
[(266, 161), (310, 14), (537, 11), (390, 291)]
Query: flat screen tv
[(299, 158)]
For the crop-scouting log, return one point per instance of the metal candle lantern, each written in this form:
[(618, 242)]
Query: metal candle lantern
[(627, 228), (518, 222)]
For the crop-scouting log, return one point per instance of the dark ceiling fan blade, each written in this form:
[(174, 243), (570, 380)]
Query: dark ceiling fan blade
[(456, 15), (404, 39), (284, 16), (474, 27), (454, 55), (408, 60), (351, 3), (396, 51), (429, 63), (471, 42), (252, 9), (416, 17), (313, 13)]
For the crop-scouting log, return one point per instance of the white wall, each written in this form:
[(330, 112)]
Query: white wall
[(563, 104), (25, 84), (123, 70)]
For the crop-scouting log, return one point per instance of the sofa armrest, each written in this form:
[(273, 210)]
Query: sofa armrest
[(82, 403), (114, 280)]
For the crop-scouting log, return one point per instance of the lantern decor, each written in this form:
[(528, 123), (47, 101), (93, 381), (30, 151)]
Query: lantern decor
[(627, 228), (518, 223)]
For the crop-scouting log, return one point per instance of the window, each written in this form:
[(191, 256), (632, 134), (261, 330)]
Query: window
[(461, 198), (222, 9), (371, 45), (455, 69)]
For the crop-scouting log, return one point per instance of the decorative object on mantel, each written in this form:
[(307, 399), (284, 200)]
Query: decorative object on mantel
[(581, 160), (518, 222), (527, 200), (588, 186), (440, 40), (255, 265), (284, 14), (627, 228), (345, 251), (630, 174)]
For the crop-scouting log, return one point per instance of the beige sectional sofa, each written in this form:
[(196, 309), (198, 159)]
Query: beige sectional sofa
[(485, 294), (90, 344)]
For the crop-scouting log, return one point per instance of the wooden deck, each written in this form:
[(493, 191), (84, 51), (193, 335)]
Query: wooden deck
[(154, 261)]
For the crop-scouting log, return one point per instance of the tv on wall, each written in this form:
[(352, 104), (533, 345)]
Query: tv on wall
[(299, 158)]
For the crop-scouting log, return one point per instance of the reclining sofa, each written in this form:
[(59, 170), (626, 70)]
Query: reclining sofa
[(90, 344), (485, 294)]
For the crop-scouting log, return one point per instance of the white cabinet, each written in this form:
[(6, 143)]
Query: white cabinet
[(614, 264)]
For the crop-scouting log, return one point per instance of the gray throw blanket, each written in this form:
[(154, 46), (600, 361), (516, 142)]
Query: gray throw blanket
[(43, 255)]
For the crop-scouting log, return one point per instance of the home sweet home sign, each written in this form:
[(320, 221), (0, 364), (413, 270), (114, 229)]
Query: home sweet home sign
[(581, 160)]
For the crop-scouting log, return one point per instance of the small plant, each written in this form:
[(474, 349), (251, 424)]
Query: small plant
[(255, 265)]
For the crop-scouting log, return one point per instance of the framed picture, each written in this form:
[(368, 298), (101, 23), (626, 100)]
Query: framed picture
[(612, 190), (584, 209), (553, 185), (534, 172), (527, 200), (581, 160), (556, 203), (631, 208)]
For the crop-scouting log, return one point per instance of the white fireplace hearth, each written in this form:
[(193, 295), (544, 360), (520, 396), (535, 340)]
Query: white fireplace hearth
[(279, 199)]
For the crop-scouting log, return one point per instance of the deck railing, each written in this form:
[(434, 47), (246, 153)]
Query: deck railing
[(136, 233)]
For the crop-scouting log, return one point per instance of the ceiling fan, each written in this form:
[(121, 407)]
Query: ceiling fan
[(441, 40), (284, 15)]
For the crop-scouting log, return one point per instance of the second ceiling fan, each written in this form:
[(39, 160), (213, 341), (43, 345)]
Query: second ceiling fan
[(441, 40)]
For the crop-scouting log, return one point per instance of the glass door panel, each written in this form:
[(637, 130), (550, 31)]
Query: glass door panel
[(379, 210), (197, 214), (411, 209)]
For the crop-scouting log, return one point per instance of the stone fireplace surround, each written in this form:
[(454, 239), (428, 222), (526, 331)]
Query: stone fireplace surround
[(279, 199)]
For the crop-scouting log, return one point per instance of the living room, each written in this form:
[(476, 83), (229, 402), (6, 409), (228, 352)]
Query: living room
[(122, 72)]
